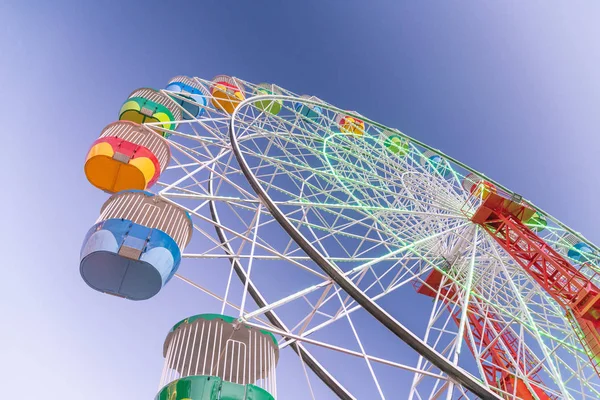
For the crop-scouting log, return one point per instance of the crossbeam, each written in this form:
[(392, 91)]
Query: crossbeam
[(503, 219), (501, 346)]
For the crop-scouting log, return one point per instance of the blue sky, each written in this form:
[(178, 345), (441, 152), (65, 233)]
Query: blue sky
[(511, 89)]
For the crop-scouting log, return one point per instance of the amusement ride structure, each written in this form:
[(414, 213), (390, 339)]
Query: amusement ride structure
[(389, 269)]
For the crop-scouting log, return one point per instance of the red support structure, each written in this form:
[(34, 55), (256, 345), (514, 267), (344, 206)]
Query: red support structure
[(501, 369), (500, 343), (573, 290), (567, 285)]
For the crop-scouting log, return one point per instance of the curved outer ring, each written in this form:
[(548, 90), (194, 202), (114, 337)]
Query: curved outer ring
[(411, 139), (456, 373), (306, 356)]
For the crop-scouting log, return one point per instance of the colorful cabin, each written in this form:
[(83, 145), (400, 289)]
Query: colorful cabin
[(350, 124), (195, 96), (135, 247), (126, 156), (227, 93), (478, 186), (146, 105), (537, 223), (311, 112), (212, 357), (576, 249), (433, 162), (270, 106), (396, 143)]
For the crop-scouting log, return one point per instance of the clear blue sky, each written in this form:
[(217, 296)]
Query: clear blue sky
[(511, 89)]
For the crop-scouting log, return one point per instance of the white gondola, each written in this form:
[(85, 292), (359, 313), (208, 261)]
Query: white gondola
[(350, 124), (135, 247), (270, 106), (227, 93), (189, 94), (217, 350), (575, 248), (151, 106), (395, 143), (433, 162), (311, 112), (126, 156)]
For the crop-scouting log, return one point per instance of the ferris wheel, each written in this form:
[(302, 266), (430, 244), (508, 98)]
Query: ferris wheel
[(390, 269)]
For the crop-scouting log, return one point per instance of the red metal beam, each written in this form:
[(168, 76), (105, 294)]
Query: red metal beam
[(489, 334), (574, 291), (567, 285)]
